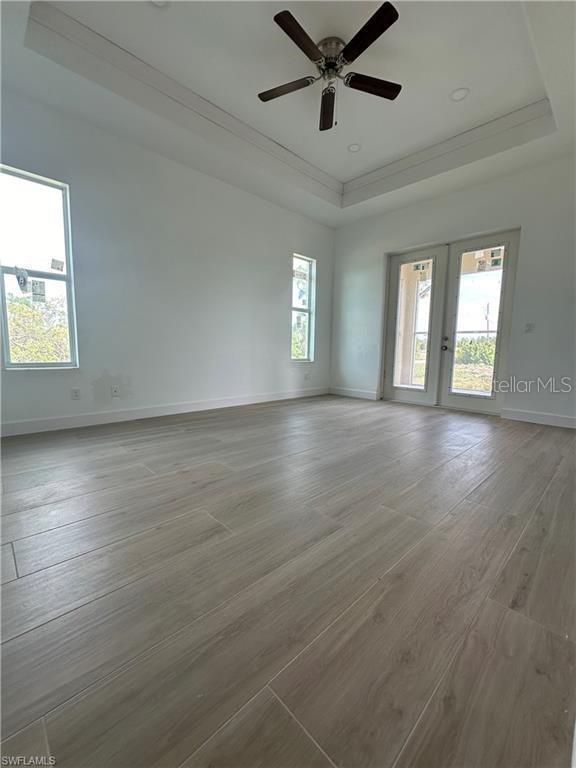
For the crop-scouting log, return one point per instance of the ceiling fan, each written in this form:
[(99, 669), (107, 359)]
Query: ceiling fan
[(331, 55)]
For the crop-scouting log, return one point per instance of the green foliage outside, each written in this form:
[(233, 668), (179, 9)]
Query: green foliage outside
[(476, 351), (472, 378), (38, 330), (298, 343), (473, 363)]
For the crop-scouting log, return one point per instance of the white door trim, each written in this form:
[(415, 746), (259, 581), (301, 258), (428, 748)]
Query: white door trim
[(429, 395), (464, 401), (440, 315)]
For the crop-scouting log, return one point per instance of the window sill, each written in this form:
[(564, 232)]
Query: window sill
[(7, 369)]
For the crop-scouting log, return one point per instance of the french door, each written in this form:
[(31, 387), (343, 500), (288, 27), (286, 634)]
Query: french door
[(447, 323)]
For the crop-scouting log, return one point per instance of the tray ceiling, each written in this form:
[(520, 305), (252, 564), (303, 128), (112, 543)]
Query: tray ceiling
[(227, 52), (183, 80)]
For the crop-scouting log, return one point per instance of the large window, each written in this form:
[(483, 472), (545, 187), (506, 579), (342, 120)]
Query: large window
[(303, 290), (36, 281)]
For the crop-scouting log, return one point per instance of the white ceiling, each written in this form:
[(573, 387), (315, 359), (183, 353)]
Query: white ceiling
[(229, 51), (70, 74)]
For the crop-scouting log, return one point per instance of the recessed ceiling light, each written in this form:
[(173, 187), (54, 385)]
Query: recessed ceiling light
[(160, 3), (459, 94), (354, 147)]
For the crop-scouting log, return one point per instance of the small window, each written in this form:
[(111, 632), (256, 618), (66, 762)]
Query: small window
[(36, 283), (303, 296)]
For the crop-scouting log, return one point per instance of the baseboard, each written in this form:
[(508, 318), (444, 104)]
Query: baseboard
[(538, 417), (30, 426), (365, 394)]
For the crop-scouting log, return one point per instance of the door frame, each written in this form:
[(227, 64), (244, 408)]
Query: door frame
[(462, 401), (508, 237), (429, 395)]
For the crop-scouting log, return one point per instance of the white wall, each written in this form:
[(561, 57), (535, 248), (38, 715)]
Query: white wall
[(182, 282), (541, 202)]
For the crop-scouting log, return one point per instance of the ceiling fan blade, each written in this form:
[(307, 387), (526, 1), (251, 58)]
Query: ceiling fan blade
[(373, 85), (327, 108), (288, 23), (384, 17), (282, 90)]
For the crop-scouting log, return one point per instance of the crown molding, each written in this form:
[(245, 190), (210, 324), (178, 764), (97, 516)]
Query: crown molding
[(511, 130), (58, 36)]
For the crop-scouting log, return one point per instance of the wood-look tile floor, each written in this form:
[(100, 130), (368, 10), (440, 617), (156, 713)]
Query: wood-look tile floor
[(313, 583)]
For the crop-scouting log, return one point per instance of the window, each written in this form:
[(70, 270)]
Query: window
[(477, 321), (413, 324), (303, 290), (36, 283)]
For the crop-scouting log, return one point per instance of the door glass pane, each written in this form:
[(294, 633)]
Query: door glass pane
[(38, 330), (413, 324), (300, 283), (299, 335), (479, 293), (32, 232)]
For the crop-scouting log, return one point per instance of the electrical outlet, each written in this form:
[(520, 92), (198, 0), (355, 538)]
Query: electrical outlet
[(115, 390), (529, 326), (75, 393), (306, 377)]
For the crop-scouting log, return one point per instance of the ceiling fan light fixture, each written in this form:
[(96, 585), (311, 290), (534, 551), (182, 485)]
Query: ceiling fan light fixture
[(459, 94), (354, 147)]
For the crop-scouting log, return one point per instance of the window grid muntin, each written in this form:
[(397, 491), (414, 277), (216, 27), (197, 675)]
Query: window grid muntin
[(68, 278), (309, 310)]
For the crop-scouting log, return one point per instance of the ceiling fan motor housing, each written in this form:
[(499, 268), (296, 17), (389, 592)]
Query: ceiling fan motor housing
[(330, 56), (332, 64)]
